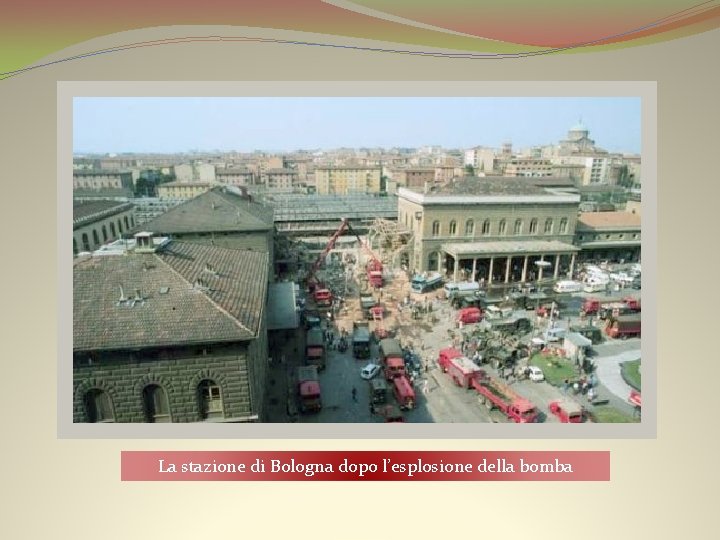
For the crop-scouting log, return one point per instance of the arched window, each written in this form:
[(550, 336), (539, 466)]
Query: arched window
[(533, 226), (112, 230), (132, 221), (75, 248), (453, 228), (502, 227), (563, 226), (96, 238), (548, 226), (518, 227), (486, 227), (211, 405), (436, 228), (469, 227), (104, 231), (127, 226), (85, 242), (98, 406), (155, 404), (120, 226)]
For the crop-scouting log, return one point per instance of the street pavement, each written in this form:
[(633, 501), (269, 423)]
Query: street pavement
[(438, 398), (608, 370)]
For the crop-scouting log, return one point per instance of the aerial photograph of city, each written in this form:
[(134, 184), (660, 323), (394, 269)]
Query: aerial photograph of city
[(356, 259)]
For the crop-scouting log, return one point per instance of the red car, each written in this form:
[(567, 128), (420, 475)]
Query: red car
[(567, 411)]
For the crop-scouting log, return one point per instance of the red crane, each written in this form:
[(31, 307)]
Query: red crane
[(374, 267)]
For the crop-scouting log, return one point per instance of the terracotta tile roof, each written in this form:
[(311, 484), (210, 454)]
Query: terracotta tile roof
[(194, 183), (599, 220), (86, 209), (226, 305), (104, 172), (213, 211), (488, 185)]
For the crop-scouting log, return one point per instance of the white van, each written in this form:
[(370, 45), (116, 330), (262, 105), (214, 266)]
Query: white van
[(567, 287), (461, 290), (595, 286)]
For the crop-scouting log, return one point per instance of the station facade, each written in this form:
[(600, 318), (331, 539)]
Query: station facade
[(491, 230)]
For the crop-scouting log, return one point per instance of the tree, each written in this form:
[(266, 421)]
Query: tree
[(625, 178), (144, 187), (469, 170)]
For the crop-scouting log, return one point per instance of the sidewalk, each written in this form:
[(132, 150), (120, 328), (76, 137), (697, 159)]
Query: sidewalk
[(608, 372)]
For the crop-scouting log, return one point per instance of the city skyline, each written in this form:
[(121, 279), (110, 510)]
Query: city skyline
[(247, 124)]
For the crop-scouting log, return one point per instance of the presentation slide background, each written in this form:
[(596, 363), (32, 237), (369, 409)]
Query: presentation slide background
[(70, 488)]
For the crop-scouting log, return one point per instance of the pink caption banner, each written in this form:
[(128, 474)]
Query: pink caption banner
[(364, 466)]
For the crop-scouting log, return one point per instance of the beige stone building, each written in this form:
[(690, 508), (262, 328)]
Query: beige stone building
[(491, 229), (195, 172), (527, 166), (414, 177), (99, 222), (102, 181), (611, 236), (346, 180), (117, 163), (445, 173), (482, 159), (169, 332), (235, 176), (281, 179), (575, 171), (183, 190)]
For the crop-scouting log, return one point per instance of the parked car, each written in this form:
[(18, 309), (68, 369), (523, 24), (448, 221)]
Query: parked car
[(567, 411), (369, 371), (536, 374)]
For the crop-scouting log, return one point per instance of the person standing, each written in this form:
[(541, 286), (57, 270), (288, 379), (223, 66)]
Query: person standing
[(354, 394)]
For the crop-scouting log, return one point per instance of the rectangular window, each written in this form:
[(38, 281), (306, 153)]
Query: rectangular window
[(212, 400)]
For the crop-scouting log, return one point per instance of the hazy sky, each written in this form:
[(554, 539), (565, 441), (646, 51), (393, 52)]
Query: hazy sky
[(115, 125)]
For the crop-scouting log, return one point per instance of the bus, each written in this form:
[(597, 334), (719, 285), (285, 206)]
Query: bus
[(422, 284), (466, 289)]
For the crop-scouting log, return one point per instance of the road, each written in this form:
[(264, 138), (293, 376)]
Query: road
[(438, 399)]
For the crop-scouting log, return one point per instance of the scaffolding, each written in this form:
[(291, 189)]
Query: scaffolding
[(392, 241)]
